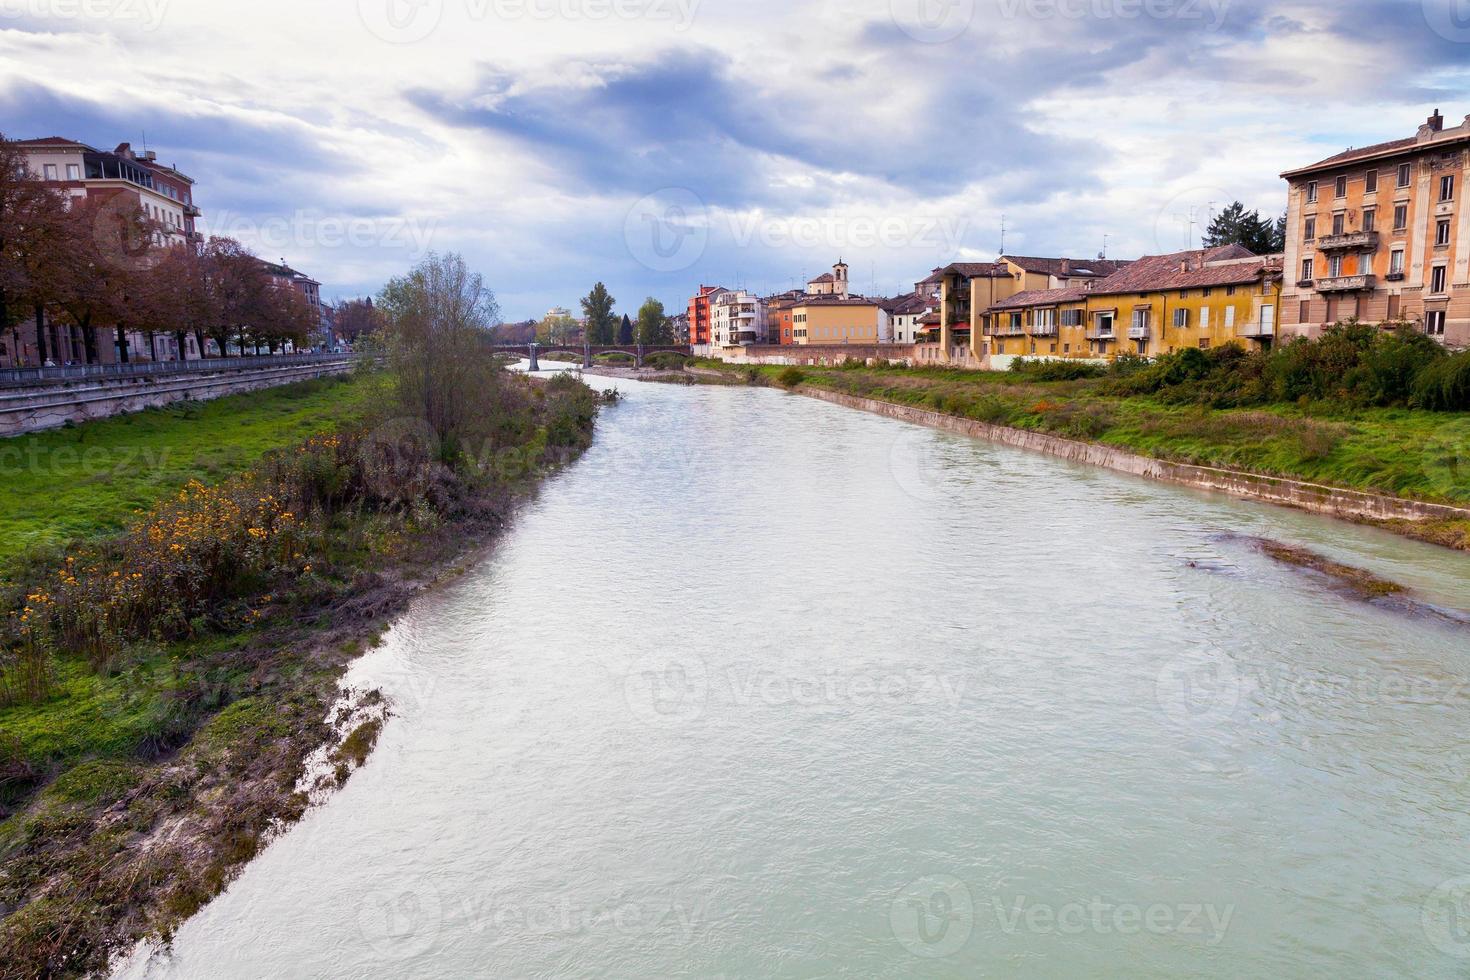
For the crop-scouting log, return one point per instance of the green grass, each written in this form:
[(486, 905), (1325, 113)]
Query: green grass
[(79, 482), (1419, 454)]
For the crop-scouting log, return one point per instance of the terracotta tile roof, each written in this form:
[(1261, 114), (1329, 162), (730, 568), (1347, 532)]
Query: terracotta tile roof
[(1042, 297), (831, 300), (824, 277), (51, 141), (1193, 269), (907, 304), (930, 319), (1066, 268), (975, 270)]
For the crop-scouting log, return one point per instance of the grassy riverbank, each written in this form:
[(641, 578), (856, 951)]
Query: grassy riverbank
[(1405, 452), (67, 484), (162, 687)]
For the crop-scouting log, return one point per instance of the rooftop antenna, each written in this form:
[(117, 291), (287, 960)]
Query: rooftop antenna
[(1104, 254), (1002, 234)]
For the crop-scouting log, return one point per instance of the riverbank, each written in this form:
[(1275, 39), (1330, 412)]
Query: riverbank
[(167, 690), (1403, 470)]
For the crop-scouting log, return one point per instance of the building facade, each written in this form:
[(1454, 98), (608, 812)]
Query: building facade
[(830, 319), (1381, 234), (737, 318), (699, 314)]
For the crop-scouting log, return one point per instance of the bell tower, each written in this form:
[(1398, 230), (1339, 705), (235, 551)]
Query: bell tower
[(839, 277)]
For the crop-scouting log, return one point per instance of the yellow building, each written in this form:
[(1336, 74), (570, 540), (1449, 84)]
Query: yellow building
[(1156, 305), (830, 319)]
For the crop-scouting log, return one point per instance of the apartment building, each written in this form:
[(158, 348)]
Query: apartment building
[(1380, 233), (737, 318), (1155, 305), (164, 193), (699, 314)]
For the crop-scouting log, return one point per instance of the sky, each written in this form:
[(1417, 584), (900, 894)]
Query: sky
[(656, 145)]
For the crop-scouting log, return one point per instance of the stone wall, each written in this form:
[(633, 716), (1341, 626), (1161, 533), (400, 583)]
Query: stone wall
[(1317, 498), (32, 409)]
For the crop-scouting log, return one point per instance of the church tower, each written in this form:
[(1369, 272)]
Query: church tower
[(839, 276)]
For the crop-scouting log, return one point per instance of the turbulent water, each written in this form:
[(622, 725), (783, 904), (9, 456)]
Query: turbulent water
[(766, 687)]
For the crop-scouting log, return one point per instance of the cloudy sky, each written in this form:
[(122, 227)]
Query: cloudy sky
[(657, 144)]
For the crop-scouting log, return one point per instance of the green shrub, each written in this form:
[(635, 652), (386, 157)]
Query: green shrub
[(791, 377), (1444, 385), (1053, 370)]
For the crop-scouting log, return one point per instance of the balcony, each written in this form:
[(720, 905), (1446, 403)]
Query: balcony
[(1010, 330), (1101, 333), (1256, 330), (1344, 284), (1044, 330), (1348, 240), (1138, 332), (191, 211)]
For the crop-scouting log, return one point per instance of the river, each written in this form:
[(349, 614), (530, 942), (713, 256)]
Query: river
[(762, 686)]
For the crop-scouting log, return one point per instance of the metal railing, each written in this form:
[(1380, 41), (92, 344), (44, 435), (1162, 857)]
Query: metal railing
[(136, 369)]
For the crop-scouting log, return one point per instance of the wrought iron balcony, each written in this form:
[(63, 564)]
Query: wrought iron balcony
[(1344, 284)]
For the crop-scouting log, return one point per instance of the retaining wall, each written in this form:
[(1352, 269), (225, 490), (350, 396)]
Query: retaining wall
[(1314, 497), (33, 409)]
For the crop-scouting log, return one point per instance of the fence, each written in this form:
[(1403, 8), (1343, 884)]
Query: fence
[(83, 372)]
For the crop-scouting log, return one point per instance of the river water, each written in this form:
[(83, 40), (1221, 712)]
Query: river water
[(767, 687)]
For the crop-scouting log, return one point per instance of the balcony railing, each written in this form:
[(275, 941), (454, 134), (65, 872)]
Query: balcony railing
[(1344, 284), (1044, 330), (1101, 333), (1351, 239), (1138, 332), (1010, 330), (192, 211), (1256, 329)]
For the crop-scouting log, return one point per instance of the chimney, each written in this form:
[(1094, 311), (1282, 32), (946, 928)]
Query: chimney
[(1436, 122)]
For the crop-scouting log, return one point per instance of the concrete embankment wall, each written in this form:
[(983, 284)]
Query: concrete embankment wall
[(1317, 498), (35, 408)]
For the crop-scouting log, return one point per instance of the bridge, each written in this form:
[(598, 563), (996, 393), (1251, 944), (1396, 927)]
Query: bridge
[(588, 351)]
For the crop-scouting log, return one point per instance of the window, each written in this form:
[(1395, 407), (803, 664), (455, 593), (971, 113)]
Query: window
[(1400, 217), (1437, 277), (1370, 219), (1365, 263), (1447, 187), (1370, 182), (1396, 262), (1311, 192), (1140, 319), (1311, 229), (1268, 319), (1393, 306), (1442, 232), (1229, 290), (1334, 266), (1304, 315), (1181, 318), (1434, 323), (1229, 317), (1338, 223), (1205, 292), (1204, 318), (1204, 343), (1309, 269), (1340, 189), (50, 170), (73, 171), (1406, 173)]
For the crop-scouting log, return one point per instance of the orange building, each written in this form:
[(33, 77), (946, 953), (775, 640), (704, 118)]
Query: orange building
[(699, 314)]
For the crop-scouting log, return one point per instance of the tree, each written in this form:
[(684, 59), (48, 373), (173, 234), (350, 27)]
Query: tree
[(556, 330), (653, 326), (354, 318), (597, 306), (102, 245), (438, 319), (29, 211), (1237, 226), (625, 330)]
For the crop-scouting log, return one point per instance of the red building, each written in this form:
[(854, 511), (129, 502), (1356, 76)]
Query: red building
[(699, 317)]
